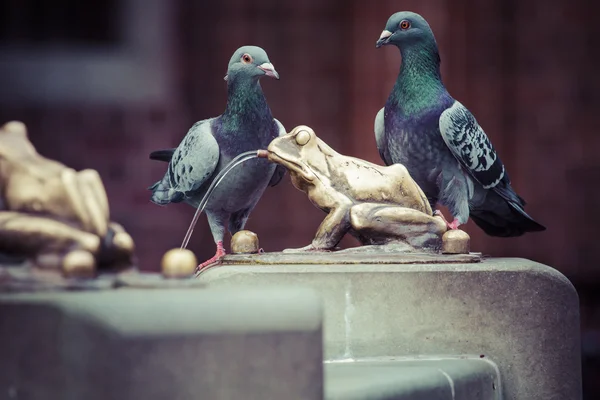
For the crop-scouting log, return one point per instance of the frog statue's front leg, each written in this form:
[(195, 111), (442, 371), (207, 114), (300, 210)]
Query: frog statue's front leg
[(331, 231)]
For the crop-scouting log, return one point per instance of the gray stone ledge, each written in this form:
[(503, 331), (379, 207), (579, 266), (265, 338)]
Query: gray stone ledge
[(253, 343), (521, 314)]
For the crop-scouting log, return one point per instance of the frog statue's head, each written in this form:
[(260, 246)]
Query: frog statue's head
[(302, 153)]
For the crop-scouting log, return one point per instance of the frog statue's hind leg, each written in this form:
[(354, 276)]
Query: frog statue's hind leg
[(384, 224)]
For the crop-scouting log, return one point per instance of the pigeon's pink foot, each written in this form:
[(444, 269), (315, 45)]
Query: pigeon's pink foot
[(215, 259), (453, 225)]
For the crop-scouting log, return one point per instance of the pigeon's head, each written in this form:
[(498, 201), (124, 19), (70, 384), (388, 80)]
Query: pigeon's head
[(250, 62), (405, 29)]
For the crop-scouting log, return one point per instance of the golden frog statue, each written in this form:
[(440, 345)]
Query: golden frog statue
[(376, 204), (52, 215)]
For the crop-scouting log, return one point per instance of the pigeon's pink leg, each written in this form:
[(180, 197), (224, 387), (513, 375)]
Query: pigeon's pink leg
[(216, 258), (453, 225)]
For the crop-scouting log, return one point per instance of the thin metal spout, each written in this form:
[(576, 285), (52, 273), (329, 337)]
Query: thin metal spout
[(262, 154), (220, 176)]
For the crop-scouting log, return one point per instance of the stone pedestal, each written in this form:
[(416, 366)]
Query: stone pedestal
[(518, 315), (179, 344)]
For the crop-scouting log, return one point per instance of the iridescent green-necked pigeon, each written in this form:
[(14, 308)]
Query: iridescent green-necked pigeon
[(210, 144), (440, 142)]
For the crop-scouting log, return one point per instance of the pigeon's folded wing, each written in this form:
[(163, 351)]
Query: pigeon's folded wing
[(280, 170), (471, 146), (380, 136), (196, 158)]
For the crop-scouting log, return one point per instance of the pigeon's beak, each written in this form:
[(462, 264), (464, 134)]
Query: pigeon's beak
[(383, 39), (269, 70)]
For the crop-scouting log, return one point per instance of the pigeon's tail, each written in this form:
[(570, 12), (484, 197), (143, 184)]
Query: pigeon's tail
[(162, 155), (502, 215), (163, 193)]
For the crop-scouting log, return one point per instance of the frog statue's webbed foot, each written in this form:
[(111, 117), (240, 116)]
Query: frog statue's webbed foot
[(306, 249)]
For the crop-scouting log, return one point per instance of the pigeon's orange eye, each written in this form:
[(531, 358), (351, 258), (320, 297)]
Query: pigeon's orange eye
[(404, 24), (246, 58)]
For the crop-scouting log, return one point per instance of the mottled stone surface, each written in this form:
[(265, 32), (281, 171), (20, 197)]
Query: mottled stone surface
[(26, 278), (242, 343), (362, 255), (522, 315)]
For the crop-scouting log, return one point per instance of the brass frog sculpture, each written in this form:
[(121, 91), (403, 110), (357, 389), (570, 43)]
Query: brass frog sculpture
[(378, 205), (53, 216)]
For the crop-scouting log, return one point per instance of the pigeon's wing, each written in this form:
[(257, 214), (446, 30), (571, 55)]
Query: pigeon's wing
[(195, 159), (279, 170), (471, 146), (380, 137)]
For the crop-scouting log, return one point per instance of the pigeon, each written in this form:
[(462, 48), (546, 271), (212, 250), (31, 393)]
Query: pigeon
[(439, 140), (210, 144)]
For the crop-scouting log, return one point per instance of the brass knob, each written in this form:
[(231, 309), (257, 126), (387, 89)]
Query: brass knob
[(456, 241), (244, 242), (178, 263)]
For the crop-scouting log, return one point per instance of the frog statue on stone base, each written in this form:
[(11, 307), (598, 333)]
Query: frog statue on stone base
[(53, 217), (378, 205)]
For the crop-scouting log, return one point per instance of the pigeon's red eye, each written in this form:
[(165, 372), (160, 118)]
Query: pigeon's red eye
[(246, 58), (405, 24)]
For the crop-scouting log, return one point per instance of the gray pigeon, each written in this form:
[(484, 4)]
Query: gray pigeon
[(440, 142), (246, 125)]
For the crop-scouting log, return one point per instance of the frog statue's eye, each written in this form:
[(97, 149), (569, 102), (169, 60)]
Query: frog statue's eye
[(302, 138), (246, 58), (404, 24)]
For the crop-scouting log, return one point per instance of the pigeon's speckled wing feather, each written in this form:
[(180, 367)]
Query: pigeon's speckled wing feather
[(195, 159), (380, 137), (471, 146), (280, 170)]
